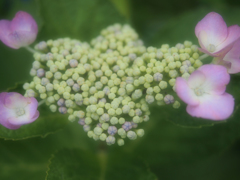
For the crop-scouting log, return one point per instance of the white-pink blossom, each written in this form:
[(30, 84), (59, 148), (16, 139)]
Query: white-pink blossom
[(20, 32), (214, 37), (17, 110), (232, 59), (204, 92)]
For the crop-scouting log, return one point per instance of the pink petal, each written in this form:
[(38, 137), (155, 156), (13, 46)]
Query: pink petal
[(233, 57), (217, 78), (185, 92), (214, 107), (215, 28), (233, 36), (4, 33), (25, 119), (15, 100), (5, 113), (196, 79), (9, 102), (32, 107), (24, 22)]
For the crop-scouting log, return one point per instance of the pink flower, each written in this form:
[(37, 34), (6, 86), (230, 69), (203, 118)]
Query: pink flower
[(204, 92), (214, 37), (17, 110), (232, 59), (19, 32)]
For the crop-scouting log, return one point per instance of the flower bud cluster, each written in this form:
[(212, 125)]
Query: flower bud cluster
[(107, 86)]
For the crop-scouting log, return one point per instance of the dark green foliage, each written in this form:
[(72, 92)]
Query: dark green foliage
[(175, 146)]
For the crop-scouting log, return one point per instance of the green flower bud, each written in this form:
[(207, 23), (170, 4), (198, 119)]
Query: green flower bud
[(121, 132), (140, 132), (110, 140), (88, 120), (131, 135), (111, 112), (176, 104), (53, 108), (120, 142), (103, 137), (163, 84), (90, 134), (100, 111), (71, 118), (98, 131)]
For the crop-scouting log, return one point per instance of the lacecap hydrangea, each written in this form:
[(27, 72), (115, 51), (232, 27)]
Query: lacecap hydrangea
[(108, 85)]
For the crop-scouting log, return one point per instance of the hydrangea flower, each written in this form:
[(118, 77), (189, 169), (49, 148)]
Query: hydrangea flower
[(19, 32), (204, 92), (214, 37), (17, 110), (232, 59)]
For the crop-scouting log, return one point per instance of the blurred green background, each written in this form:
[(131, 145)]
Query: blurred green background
[(169, 151)]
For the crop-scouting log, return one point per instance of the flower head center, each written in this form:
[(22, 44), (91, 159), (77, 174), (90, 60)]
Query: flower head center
[(20, 111), (211, 48), (199, 91)]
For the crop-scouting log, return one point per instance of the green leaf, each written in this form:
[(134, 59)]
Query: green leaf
[(175, 24), (48, 122), (77, 19), (28, 158), (25, 159), (78, 164), (123, 7), (165, 145)]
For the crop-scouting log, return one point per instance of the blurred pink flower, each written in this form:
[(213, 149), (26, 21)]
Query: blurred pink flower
[(20, 32), (232, 59), (214, 37), (17, 110), (204, 92)]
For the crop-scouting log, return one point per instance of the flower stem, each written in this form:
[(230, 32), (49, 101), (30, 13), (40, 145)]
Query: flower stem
[(41, 102), (31, 49), (203, 56)]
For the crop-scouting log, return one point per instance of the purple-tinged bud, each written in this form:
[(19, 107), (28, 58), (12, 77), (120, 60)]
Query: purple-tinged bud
[(40, 73), (157, 77), (138, 112), (116, 68), (110, 140), (106, 90), (187, 63), (169, 99), (41, 46), (129, 80), (127, 126), (132, 56), (112, 130), (49, 56), (70, 82), (62, 110), (103, 100), (61, 102), (76, 87), (81, 121), (73, 63), (134, 125), (44, 81), (86, 128), (105, 117)]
